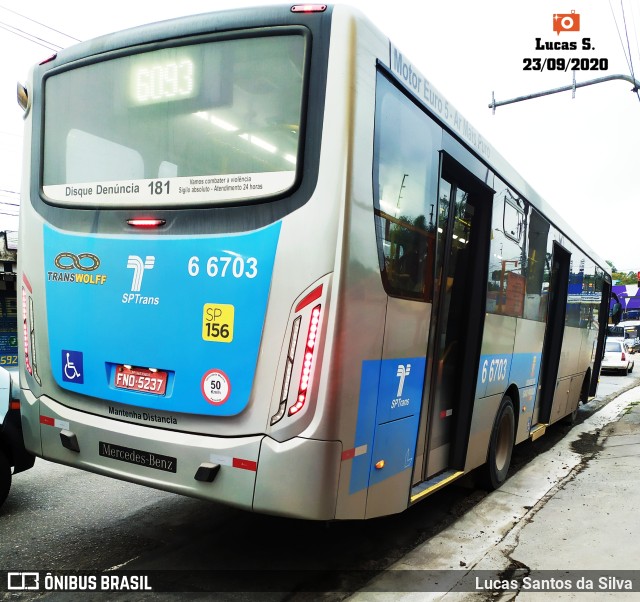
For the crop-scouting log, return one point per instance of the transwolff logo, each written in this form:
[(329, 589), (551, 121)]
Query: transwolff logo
[(403, 372)]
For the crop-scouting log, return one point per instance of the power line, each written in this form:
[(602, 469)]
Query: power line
[(619, 34), (38, 23), (627, 55), (30, 37), (626, 31), (635, 28)]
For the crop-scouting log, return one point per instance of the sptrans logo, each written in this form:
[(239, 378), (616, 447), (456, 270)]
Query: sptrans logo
[(139, 266), (566, 22), (402, 373)]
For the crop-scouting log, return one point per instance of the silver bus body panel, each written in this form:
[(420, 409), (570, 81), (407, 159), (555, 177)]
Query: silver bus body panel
[(528, 340), (307, 467), (361, 300)]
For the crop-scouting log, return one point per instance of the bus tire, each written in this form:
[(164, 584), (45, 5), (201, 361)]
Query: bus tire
[(5, 477), (500, 446)]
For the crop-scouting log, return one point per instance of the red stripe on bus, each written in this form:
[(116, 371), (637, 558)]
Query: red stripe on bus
[(349, 454), (26, 282), (245, 464), (47, 420)]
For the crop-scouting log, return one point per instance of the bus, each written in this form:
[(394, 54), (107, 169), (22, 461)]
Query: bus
[(264, 261)]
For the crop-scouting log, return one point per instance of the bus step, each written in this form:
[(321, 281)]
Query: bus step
[(432, 485), (537, 431)]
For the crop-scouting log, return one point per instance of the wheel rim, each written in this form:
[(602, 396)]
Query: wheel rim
[(503, 442)]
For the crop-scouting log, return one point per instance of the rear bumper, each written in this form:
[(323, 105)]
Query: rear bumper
[(614, 366), (145, 455), (297, 478)]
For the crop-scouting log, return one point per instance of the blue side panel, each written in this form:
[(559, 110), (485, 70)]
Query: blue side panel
[(365, 426), (390, 394), (493, 374), (193, 307), (497, 371), (395, 443), (525, 369)]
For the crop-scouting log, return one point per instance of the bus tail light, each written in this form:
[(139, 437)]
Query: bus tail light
[(308, 8), (146, 223), (28, 330), (307, 357), (53, 57)]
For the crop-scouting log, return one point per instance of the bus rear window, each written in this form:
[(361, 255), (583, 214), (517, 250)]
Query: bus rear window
[(196, 124)]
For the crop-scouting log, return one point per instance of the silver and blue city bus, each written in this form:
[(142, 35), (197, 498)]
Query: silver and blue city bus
[(263, 261)]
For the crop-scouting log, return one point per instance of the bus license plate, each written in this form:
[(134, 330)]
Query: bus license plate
[(141, 379)]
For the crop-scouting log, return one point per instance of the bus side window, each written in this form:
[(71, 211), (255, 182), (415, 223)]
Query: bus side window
[(405, 179), (508, 260)]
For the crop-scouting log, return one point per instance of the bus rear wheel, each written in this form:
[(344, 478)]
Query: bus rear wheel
[(500, 446), (5, 477)]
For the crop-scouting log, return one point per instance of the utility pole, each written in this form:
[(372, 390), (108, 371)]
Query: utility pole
[(636, 86)]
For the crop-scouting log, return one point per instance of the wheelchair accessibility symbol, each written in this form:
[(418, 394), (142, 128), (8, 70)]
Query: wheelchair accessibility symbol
[(72, 367)]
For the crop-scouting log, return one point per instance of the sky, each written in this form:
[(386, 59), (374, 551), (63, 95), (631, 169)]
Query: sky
[(581, 154)]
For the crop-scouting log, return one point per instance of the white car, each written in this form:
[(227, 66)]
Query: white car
[(617, 357)]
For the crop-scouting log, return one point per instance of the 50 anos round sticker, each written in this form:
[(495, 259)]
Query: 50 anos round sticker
[(216, 387)]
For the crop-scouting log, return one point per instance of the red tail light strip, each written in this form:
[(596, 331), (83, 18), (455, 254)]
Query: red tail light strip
[(146, 223), (314, 295), (309, 358), (308, 8)]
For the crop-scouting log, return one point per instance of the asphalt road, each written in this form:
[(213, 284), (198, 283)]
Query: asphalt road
[(59, 518)]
